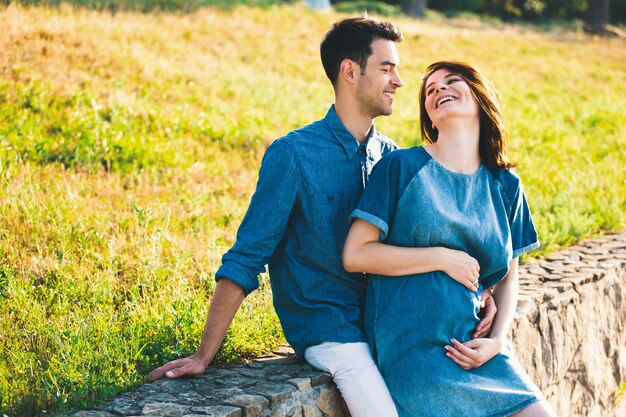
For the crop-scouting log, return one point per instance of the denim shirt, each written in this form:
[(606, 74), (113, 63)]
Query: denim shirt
[(297, 222)]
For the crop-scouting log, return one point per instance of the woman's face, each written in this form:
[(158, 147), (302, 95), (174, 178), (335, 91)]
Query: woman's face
[(449, 96)]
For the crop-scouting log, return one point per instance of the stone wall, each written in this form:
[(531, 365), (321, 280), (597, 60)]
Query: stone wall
[(570, 329), (569, 334)]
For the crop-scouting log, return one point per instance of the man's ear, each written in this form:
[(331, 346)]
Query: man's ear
[(349, 70)]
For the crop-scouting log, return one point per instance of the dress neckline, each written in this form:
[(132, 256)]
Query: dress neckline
[(449, 171)]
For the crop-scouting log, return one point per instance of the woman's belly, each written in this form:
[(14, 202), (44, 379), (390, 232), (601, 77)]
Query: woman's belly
[(420, 311)]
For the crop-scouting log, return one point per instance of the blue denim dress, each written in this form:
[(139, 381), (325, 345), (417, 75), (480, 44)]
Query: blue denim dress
[(417, 202)]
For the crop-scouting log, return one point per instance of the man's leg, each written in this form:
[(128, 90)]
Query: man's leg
[(357, 377)]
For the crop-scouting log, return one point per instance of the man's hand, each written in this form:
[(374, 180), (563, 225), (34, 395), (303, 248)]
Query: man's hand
[(188, 366), (474, 353), (488, 312), (225, 303), (461, 267)]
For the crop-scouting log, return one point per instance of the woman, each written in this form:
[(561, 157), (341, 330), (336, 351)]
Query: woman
[(456, 192)]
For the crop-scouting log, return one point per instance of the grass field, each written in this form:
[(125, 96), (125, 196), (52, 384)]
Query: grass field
[(129, 148)]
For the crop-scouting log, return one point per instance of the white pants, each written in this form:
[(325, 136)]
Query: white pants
[(356, 375)]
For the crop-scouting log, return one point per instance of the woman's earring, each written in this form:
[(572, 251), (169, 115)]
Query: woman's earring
[(434, 127)]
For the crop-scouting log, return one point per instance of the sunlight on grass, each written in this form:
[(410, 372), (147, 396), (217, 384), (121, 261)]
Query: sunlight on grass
[(129, 149)]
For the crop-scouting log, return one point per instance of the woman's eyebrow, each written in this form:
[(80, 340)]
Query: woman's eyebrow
[(452, 74)]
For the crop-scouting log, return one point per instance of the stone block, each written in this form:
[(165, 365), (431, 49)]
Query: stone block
[(301, 384), (165, 409), (93, 413), (320, 378), (220, 393), (275, 393), (329, 402), (310, 411), (123, 406), (252, 405), (251, 373), (296, 413), (234, 381), (193, 398), (161, 397), (216, 411)]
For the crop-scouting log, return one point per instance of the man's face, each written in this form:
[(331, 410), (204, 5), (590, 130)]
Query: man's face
[(379, 79)]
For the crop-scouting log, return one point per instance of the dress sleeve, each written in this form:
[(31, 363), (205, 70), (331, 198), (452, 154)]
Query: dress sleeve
[(265, 222), (379, 200), (523, 233)]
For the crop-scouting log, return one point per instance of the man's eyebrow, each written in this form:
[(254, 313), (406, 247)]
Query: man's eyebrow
[(452, 74), (387, 62)]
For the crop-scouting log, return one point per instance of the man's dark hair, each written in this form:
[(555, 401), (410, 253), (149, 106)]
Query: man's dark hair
[(352, 38)]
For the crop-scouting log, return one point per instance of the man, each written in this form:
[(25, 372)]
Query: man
[(309, 183)]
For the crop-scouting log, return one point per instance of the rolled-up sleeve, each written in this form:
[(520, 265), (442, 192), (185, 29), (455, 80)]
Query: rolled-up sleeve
[(265, 222), (378, 202)]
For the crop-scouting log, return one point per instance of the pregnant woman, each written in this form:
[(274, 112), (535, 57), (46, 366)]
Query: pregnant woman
[(457, 192)]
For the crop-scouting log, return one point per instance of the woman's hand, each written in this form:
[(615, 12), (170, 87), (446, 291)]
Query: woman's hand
[(474, 353), (461, 267)]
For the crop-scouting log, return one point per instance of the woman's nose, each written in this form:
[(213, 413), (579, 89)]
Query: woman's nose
[(439, 87)]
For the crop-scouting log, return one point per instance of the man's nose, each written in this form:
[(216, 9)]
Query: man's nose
[(397, 81)]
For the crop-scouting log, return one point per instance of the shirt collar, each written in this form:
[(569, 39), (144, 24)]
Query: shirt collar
[(345, 138)]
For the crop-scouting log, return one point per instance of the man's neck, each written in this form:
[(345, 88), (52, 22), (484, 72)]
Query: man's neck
[(357, 124)]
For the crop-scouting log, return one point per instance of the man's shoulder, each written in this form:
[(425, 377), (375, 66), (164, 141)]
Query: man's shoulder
[(310, 131)]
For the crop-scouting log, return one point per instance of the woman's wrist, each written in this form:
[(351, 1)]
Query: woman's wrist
[(441, 257), (500, 340)]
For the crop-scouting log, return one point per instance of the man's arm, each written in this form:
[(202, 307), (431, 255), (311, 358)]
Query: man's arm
[(257, 238), (224, 304)]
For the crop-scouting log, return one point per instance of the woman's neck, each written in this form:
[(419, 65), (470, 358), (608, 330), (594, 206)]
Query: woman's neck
[(457, 147)]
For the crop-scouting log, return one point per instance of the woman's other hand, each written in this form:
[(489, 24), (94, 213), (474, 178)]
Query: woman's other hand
[(474, 353), (461, 267)]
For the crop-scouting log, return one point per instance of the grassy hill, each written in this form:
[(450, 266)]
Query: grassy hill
[(129, 148)]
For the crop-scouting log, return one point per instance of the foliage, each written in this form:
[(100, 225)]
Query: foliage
[(530, 10), (535, 9), (374, 8), (150, 5), (620, 395), (129, 149)]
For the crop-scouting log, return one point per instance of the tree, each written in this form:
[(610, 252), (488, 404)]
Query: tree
[(598, 14), (598, 19), (414, 8), (318, 4)]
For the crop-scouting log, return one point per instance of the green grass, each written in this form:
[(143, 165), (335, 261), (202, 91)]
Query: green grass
[(130, 144)]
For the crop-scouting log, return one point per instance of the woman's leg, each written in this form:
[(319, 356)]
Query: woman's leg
[(357, 377), (538, 409)]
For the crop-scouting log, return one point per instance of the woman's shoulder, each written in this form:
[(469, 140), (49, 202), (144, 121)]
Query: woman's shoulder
[(509, 181), (409, 158)]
